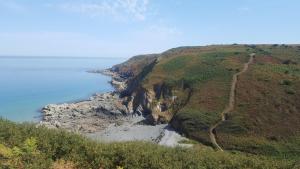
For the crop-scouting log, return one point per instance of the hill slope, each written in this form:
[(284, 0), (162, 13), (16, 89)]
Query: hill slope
[(190, 87)]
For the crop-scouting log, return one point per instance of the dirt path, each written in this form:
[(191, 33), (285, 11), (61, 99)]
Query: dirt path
[(230, 107)]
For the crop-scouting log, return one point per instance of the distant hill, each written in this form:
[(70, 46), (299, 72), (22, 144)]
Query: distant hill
[(190, 87), (134, 65)]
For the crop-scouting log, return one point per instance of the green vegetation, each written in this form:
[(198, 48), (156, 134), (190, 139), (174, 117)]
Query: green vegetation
[(201, 79), (175, 64), (25, 146), (265, 119)]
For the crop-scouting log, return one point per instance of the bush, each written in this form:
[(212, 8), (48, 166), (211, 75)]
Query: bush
[(286, 82), (25, 146), (288, 62), (290, 91)]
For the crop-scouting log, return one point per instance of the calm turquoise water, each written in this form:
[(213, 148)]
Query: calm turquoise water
[(28, 84)]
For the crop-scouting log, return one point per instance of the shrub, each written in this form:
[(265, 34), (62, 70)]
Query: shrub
[(290, 91), (286, 82), (288, 62), (42, 148)]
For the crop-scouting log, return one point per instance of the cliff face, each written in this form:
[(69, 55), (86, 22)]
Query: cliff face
[(157, 102), (153, 103), (137, 98)]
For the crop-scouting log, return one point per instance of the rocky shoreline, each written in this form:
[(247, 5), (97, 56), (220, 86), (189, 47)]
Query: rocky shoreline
[(118, 82), (89, 116)]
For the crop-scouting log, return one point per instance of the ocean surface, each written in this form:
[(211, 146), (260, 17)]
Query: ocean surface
[(29, 83)]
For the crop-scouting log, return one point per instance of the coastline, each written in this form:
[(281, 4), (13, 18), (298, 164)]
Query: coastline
[(106, 117), (87, 115)]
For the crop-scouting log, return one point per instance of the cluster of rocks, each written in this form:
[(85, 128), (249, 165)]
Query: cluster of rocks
[(87, 116)]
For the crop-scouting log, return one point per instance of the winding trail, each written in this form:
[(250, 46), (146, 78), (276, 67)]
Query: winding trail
[(230, 107)]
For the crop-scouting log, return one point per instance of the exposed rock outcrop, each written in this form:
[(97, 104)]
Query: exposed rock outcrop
[(87, 116)]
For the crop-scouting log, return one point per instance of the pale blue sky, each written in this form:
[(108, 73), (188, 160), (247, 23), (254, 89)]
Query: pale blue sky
[(122, 28)]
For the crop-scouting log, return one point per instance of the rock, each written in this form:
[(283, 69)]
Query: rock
[(90, 115), (57, 124), (86, 116), (139, 110)]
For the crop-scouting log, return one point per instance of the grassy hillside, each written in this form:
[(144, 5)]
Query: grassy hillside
[(25, 146), (266, 115), (190, 87)]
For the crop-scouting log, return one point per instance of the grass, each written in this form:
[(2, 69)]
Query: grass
[(291, 70), (189, 141), (175, 64), (281, 149), (25, 146), (264, 119)]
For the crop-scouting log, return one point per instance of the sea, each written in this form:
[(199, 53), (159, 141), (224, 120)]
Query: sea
[(27, 84)]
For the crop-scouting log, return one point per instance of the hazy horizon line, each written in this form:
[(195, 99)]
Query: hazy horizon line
[(126, 57), (59, 57)]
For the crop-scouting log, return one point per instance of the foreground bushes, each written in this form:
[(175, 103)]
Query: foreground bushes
[(24, 146)]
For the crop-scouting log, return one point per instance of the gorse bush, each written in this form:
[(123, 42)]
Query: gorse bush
[(26, 156)]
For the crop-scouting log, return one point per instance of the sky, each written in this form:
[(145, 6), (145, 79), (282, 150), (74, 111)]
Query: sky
[(124, 28)]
